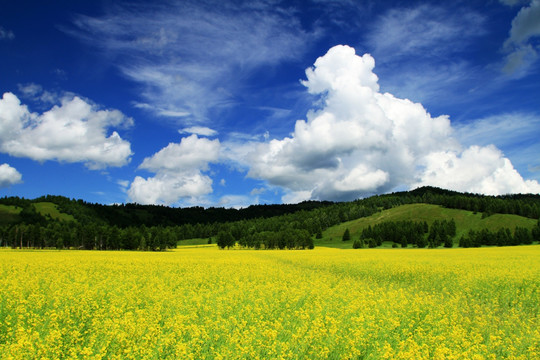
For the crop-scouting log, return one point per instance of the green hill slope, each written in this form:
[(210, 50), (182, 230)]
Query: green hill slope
[(465, 221), (9, 214), (50, 209)]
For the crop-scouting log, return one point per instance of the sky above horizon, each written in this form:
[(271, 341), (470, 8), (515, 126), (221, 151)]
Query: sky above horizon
[(232, 103)]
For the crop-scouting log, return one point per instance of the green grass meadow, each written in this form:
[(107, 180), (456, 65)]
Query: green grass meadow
[(51, 209)]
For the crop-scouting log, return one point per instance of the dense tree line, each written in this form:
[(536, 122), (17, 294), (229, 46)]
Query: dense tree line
[(442, 233), (501, 237), (291, 231), (69, 235), (259, 226), (400, 232), (292, 239), (278, 232), (126, 215)]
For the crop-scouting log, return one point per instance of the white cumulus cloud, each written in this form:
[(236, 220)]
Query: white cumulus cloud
[(477, 169), (168, 188), (359, 141), (75, 131), (9, 176), (178, 172)]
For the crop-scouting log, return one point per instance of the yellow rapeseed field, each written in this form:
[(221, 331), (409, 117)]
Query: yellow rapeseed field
[(204, 303)]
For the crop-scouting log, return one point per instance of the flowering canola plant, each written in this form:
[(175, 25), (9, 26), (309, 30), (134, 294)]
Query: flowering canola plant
[(205, 303)]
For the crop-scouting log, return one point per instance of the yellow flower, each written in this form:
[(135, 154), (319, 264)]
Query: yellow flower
[(202, 303)]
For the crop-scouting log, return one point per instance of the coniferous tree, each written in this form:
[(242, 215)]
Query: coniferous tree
[(535, 233), (346, 235), (522, 236), (502, 237), (403, 241), (451, 228), (448, 243), (309, 243)]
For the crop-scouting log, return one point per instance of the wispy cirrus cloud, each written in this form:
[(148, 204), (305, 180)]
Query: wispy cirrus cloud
[(190, 56), (503, 130), (423, 31), (6, 34), (199, 130), (418, 49)]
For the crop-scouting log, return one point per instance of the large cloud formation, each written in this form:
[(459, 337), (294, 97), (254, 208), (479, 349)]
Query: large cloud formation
[(178, 172), (477, 169), (75, 131), (361, 141)]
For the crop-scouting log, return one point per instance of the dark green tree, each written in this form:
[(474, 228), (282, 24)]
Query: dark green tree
[(503, 237), (403, 241), (225, 239), (29, 215), (448, 243), (346, 235), (535, 233), (522, 236)]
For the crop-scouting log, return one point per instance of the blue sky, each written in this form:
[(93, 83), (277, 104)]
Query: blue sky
[(235, 103)]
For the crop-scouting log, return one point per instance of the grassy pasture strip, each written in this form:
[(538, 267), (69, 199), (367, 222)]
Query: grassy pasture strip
[(205, 303), (197, 241)]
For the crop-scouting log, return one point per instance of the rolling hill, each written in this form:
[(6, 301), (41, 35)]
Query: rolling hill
[(465, 221)]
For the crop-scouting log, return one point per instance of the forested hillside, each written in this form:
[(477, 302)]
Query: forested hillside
[(59, 222), (126, 215)]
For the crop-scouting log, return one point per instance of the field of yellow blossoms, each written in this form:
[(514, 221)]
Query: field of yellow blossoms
[(205, 303)]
